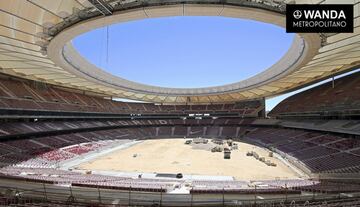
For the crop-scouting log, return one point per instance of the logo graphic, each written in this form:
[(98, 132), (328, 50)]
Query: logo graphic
[(319, 18), (297, 14)]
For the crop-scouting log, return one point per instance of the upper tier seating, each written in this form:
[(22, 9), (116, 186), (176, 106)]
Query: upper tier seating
[(16, 94), (344, 98)]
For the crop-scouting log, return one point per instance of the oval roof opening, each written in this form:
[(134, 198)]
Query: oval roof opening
[(185, 52)]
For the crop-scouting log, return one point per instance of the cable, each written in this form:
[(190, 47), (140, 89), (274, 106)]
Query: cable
[(107, 47)]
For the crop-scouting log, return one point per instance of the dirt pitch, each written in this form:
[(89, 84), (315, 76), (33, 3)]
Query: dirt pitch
[(173, 156)]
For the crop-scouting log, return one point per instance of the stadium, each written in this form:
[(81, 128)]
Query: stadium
[(75, 134)]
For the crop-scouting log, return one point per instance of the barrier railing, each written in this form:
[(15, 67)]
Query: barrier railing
[(44, 194)]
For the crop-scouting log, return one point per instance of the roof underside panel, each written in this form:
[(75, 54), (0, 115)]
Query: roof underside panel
[(24, 38)]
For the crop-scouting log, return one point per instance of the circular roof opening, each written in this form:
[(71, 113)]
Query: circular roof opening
[(185, 52)]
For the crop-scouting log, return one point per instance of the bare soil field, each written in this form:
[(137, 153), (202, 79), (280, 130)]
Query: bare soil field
[(173, 156)]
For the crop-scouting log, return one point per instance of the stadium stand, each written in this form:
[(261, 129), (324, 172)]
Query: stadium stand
[(24, 95), (32, 150), (318, 151), (17, 129), (338, 98)]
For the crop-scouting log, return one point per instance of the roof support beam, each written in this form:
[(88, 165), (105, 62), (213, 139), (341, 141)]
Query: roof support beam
[(103, 7)]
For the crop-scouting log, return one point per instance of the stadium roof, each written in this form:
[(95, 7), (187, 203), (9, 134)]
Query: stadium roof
[(35, 43)]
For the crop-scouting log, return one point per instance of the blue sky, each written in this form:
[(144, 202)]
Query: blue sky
[(186, 52)]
